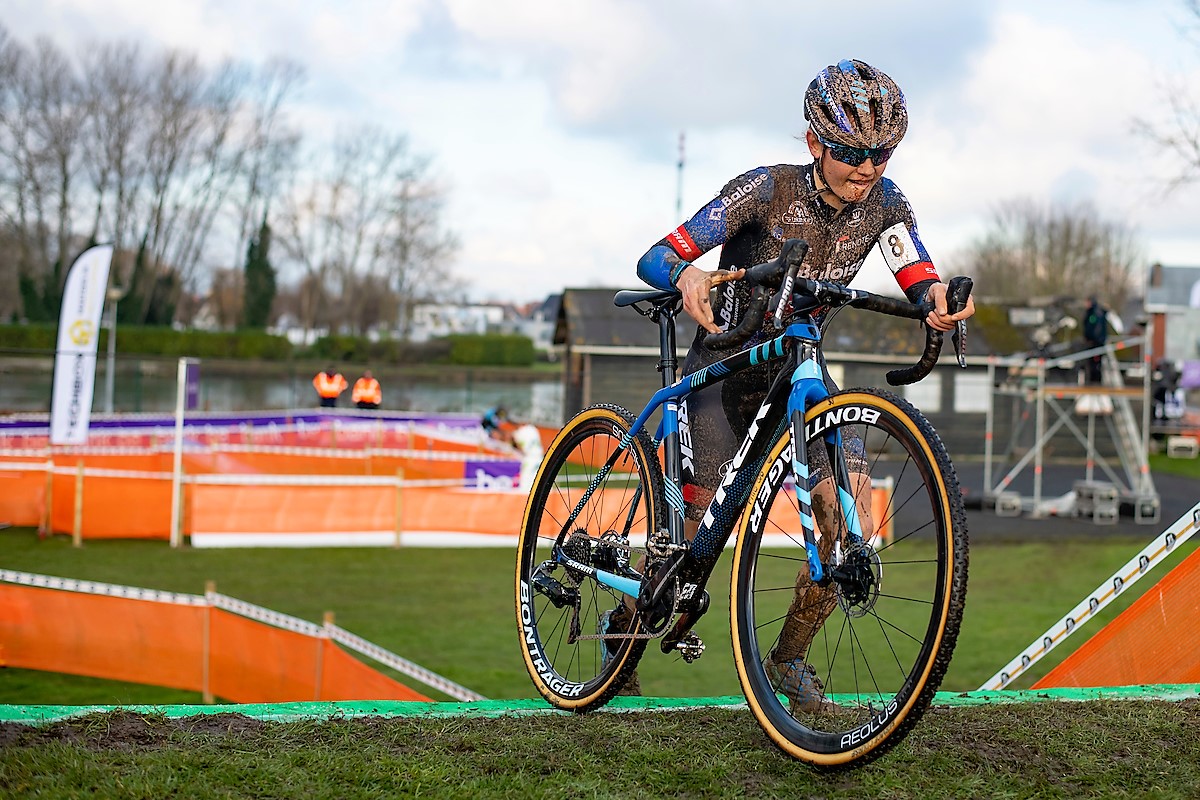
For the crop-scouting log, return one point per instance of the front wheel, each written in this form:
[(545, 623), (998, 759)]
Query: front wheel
[(595, 501), (838, 673)]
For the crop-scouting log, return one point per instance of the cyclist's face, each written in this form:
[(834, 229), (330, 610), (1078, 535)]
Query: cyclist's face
[(849, 183)]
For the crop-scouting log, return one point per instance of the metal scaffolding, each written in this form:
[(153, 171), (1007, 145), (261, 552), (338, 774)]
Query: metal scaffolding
[(1106, 410)]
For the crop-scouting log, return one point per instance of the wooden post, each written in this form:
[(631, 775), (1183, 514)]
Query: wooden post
[(45, 526), (77, 535), (210, 588), (399, 505)]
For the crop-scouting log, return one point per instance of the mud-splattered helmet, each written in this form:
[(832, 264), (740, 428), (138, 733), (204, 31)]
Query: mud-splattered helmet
[(853, 103)]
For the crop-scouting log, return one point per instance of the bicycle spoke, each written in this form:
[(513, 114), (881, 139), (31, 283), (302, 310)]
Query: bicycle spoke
[(873, 651)]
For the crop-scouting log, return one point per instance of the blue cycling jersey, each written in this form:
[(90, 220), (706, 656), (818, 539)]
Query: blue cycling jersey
[(751, 218), (756, 212)]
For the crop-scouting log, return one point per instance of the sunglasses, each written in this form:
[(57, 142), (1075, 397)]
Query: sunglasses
[(854, 156)]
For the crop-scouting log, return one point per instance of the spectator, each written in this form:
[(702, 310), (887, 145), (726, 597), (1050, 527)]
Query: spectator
[(1095, 334), (496, 425), (329, 385), (367, 393), (1169, 404), (528, 440)]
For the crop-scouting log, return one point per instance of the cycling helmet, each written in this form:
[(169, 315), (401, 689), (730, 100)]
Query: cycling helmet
[(854, 104)]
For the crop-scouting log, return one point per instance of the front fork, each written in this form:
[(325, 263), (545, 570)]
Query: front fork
[(808, 389)]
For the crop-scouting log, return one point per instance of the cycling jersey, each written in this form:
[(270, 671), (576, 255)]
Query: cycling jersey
[(756, 212), (751, 218)]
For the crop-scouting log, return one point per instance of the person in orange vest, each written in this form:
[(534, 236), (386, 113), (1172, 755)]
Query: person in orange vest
[(329, 385), (367, 393)]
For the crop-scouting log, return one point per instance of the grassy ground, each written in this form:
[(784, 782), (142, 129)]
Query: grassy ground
[(452, 610), (1187, 467), (1122, 749)]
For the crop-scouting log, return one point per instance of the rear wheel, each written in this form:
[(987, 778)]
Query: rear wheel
[(877, 639), (607, 518)]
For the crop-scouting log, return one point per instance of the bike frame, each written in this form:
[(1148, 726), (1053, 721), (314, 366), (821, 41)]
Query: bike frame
[(788, 398)]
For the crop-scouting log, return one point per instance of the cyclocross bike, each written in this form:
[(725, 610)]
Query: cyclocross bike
[(604, 529)]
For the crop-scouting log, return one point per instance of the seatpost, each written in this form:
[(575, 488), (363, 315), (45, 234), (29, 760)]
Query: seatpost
[(668, 365)]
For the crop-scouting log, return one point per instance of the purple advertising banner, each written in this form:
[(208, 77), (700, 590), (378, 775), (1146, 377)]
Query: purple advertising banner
[(490, 475), (191, 382)]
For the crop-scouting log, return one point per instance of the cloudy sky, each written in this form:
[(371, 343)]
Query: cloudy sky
[(555, 124)]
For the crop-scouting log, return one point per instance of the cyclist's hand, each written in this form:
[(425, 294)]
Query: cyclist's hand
[(695, 284), (940, 317)]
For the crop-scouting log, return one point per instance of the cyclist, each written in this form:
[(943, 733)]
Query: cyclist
[(496, 425), (842, 206)]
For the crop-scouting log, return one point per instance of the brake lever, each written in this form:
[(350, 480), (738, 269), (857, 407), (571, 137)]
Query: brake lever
[(957, 292), (785, 294)]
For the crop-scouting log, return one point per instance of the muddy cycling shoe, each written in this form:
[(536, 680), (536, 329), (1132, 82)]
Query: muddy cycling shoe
[(798, 681), (618, 620)]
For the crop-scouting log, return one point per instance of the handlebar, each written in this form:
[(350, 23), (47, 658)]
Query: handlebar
[(764, 278), (770, 276)]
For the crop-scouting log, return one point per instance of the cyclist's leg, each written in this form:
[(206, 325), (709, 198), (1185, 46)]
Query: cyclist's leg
[(812, 604), (880, 653)]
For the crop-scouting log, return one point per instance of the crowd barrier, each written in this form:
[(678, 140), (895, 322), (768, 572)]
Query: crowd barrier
[(218, 646)]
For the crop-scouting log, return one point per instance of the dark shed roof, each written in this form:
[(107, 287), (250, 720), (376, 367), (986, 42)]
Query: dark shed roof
[(588, 317)]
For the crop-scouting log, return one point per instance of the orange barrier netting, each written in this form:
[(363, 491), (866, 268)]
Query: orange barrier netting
[(23, 492), (167, 644), (139, 505), (140, 508), (1155, 640)]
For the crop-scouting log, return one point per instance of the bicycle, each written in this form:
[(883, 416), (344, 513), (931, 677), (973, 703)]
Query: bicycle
[(603, 529)]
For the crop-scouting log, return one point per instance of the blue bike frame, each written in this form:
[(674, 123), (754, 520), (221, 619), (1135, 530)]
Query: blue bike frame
[(786, 400)]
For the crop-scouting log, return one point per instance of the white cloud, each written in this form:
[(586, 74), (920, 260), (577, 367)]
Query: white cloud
[(555, 124)]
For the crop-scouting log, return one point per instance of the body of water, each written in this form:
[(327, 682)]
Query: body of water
[(150, 385)]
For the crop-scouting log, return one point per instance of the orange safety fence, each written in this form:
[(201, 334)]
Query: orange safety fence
[(1155, 640), (133, 499), (140, 507), (23, 491), (180, 645)]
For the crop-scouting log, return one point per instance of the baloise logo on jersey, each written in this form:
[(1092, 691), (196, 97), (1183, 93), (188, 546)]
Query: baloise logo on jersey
[(719, 206)]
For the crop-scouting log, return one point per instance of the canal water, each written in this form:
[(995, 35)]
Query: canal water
[(150, 386)]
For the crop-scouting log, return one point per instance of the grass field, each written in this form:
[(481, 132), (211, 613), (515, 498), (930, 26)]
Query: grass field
[(1122, 749), (451, 611)]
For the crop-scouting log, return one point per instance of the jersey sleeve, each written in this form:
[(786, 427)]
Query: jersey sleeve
[(901, 245), (709, 227)]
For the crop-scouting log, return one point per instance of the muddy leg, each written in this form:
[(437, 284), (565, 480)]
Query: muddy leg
[(813, 604)]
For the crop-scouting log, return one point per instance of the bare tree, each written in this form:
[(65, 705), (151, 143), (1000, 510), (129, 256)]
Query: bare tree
[(117, 90), (271, 145), (40, 141), (225, 297), (1053, 251), (372, 212), (1179, 134), (161, 155), (417, 256)]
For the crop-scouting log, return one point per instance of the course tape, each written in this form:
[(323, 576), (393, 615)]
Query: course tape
[(1150, 556), (288, 712), (253, 479)]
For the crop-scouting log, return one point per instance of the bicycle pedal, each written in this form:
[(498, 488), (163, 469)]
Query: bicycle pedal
[(690, 647)]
